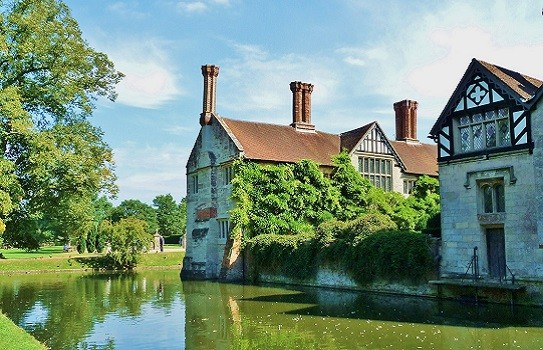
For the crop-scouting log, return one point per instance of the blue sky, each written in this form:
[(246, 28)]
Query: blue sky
[(362, 56)]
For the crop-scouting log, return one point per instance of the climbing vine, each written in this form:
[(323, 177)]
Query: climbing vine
[(292, 217)]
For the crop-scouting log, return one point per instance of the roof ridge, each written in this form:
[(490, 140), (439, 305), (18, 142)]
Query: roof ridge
[(272, 124)]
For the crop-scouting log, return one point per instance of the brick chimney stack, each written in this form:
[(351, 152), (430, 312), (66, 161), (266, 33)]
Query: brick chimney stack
[(301, 106), (210, 73), (406, 120)]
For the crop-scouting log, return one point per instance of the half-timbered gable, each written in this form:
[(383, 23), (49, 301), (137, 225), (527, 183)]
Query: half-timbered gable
[(489, 112), (373, 155)]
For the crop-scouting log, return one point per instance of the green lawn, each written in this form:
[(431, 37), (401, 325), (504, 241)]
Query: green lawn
[(14, 338), (54, 259), (23, 254)]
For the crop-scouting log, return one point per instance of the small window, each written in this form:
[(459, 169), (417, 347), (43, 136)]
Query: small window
[(227, 175), (493, 195), (194, 183), (224, 229), (408, 186)]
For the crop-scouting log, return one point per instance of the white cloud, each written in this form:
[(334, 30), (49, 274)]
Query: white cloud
[(424, 52), (150, 81), (192, 7), (126, 10), (258, 82)]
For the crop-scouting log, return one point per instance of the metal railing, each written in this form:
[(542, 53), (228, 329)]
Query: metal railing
[(473, 266), (475, 275), (507, 269)]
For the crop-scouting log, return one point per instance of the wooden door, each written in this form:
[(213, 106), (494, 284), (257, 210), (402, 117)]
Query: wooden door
[(495, 244)]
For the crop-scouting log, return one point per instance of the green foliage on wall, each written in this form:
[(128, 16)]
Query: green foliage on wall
[(292, 218), (281, 199), (367, 248), (289, 255)]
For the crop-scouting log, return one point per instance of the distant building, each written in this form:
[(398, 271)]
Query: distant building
[(391, 165), (490, 140)]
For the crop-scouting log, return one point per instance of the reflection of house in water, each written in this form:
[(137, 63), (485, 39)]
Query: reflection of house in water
[(211, 319), (231, 316), (490, 140), (391, 165)]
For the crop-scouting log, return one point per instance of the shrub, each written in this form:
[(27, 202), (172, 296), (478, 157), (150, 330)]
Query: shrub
[(290, 255), (393, 256), (129, 239)]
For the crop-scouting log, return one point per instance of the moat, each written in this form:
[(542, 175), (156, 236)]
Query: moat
[(155, 310)]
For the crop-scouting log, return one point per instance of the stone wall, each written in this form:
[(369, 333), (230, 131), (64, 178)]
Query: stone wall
[(207, 206), (333, 277), (462, 227)]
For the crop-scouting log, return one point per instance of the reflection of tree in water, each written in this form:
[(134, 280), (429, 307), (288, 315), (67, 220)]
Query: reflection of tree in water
[(74, 303)]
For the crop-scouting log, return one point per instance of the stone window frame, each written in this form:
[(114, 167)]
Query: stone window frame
[(478, 123), (194, 183), (408, 185), (491, 201), (380, 176), (227, 175)]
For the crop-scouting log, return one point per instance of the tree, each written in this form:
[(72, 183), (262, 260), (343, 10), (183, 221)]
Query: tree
[(129, 239), (352, 186), (133, 208), (169, 216), (49, 78)]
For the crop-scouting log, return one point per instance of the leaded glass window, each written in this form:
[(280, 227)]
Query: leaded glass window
[(484, 130), (493, 198), (377, 170)]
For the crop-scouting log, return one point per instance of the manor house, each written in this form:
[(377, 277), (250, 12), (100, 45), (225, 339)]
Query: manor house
[(490, 141), (392, 165)]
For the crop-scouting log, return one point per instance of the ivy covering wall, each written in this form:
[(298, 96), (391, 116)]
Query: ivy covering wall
[(293, 219)]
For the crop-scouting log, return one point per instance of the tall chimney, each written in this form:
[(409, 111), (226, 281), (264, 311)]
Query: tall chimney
[(210, 73), (301, 106), (406, 120)]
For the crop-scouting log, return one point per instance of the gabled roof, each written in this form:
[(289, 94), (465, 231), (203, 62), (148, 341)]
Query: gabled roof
[(525, 86), (413, 157), (350, 139), (418, 158), (282, 143), (519, 87)]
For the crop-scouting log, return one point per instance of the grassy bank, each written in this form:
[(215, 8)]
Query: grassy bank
[(54, 259), (14, 338)]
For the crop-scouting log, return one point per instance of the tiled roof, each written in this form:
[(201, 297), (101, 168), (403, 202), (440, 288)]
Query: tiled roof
[(350, 138), (419, 158), (525, 86), (282, 143)]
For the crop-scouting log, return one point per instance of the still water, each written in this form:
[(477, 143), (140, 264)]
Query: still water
[(155, 310)]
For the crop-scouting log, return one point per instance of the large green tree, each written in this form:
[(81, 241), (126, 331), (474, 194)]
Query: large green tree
[(169, 216), (54, 160), (133, 208)]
